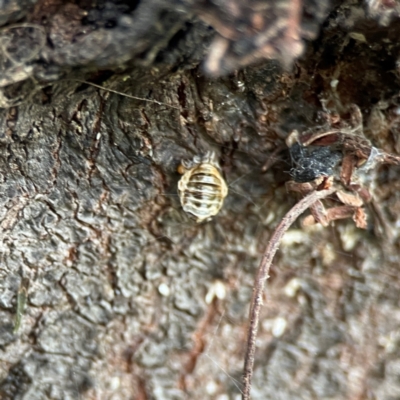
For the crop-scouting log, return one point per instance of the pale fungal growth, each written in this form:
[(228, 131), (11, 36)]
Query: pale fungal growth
[(292, 287), (164, 290), (202, 189), (276, 326), (216, 291)]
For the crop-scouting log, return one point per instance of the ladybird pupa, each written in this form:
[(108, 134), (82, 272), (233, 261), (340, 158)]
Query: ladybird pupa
[(202, 189)]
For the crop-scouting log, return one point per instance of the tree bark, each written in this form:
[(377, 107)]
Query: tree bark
[(128, 298)]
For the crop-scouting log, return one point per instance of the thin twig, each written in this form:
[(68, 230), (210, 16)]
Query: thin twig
[(262, 275)]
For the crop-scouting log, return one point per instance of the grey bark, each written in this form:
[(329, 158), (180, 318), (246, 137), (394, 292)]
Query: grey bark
[(127, 297)]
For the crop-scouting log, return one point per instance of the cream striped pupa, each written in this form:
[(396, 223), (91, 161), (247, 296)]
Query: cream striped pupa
[(202, 189)]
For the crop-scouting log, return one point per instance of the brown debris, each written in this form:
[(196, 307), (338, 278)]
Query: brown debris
[(256, 30), (349, 199), (360, 218)]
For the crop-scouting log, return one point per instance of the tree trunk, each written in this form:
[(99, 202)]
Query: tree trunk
[(108, 290)]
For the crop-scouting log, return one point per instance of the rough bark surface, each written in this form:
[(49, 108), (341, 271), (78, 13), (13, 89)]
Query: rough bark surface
[(126, 297)]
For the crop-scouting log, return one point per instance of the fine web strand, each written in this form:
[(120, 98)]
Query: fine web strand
[(129, 96)]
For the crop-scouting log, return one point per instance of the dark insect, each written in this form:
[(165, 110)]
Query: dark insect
[(312, 162)]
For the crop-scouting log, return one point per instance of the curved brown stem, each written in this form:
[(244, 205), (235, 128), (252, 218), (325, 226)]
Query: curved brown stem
[(262, 276)]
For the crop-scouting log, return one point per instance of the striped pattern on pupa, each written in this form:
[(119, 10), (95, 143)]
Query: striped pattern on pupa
[(202, 189)]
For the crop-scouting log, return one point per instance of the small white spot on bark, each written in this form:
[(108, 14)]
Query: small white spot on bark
[(164, 290)]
